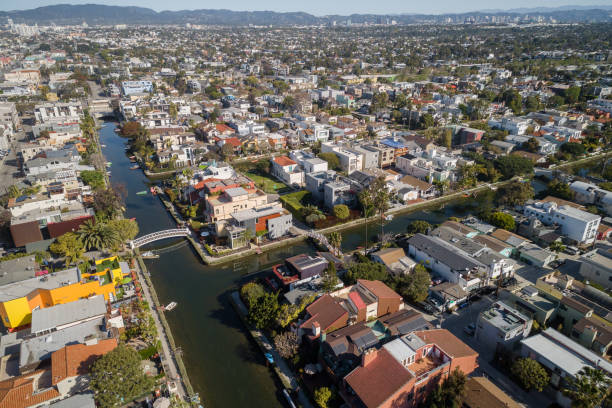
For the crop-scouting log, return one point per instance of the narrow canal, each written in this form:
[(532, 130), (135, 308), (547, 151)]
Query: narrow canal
[(224, 366)]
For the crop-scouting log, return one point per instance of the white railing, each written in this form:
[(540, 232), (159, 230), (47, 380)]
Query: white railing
[(155, 236)]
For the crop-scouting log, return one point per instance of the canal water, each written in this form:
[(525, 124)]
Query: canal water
[(224, 366)]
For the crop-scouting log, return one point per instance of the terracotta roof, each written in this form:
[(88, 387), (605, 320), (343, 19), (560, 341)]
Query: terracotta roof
[(390, 255), (76, 359), (379, 289), (19, 392), (359, 303), (326, 311), (283, 161), (447, 341), (379, 380), (480, 392), (234, 141)]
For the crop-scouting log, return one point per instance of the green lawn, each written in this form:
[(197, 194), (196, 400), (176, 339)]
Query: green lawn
[(294, 202), (267, 184)]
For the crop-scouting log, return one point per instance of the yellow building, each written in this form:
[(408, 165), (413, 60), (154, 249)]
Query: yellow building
[(19, 299)]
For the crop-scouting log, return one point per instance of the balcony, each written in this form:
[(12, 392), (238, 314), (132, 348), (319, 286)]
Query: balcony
[(426, 366)]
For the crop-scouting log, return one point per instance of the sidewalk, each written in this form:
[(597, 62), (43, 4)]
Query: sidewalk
[(168, 360), (281, 368)]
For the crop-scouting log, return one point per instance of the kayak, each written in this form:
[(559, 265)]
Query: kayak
[(143, 192)]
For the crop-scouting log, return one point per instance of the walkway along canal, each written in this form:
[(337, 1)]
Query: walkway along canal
[(224, 366)]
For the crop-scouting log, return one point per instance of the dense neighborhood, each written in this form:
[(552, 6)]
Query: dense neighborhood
[(325, 138)]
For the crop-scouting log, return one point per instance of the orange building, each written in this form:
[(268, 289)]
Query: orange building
[(19, 299), (405, 370)]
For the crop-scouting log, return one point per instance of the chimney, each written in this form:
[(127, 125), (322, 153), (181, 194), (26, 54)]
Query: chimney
[(368, 356), (316, 329)]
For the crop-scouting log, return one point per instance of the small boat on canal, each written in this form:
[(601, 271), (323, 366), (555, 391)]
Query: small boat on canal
[(135, 167), (143, 192), (170, 306)]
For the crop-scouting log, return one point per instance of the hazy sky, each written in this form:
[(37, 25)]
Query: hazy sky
[(318, 7)]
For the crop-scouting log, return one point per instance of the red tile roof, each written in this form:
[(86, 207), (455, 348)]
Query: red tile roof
[(283, 161), (359, 303), (379, 380), (19, 392), (379, 289), (446, 341), (76, 359), (234, 141), (326, 311)]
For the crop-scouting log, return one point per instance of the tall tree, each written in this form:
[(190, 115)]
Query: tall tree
[(125, 229), (117, 377), (589, 389), (530, 374), (335, 239), (70, 246), (367, 205), (329, 280)]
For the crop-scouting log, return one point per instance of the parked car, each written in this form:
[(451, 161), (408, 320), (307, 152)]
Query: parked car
[(470, 329)]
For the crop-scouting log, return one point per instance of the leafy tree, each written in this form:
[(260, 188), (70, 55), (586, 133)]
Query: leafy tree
[(418, 227), (366, 270), (503, 220), (108, 202), (530, 374), (447, 138), (250, 292), (287, 344), (264, 311), (227, 150), (131, 129), (335, 239), (513, 100), (572, 94), (560, 189), (416, 286), (556, 246), (14, 191), (70, 246), (532, 145), (532, 103), (448, 394), (322, 396), (573, 148), (93, 178), (514, 193), (426, 121), (333, 162), (312, 214), (125, 229), (341, 211), (589, 389), (329, 280), (510, 166), (117, 377)]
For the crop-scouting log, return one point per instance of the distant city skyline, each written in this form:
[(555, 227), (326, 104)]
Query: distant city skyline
[(320, 7)]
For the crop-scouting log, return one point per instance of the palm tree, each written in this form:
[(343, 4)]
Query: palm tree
[(335, 240), (380, 199), (589, 389), (366, 200), (97, 235)]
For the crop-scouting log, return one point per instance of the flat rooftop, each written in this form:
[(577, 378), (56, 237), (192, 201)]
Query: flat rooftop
[(16, 270), (51, 281)]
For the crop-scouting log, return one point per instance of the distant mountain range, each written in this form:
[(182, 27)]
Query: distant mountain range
[(93, 14)]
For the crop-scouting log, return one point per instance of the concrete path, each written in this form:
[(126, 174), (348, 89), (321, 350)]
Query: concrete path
[(168, 360)]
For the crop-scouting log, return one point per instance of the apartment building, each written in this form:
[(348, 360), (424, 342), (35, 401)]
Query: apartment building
[(577, 225), (287, 170), (501, 325), (231, 201)]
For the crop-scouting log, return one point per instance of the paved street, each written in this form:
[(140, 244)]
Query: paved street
[(456, 322)]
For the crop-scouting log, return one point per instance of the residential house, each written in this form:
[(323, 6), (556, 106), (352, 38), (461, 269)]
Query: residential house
[(446, 261), (596, 266), (590, 194), (501, 326), (405, 370), (563, 357), (287, 171), (577, 225), (395, 260), (534, 255), (233, 200), (593, 334), (447, 295)]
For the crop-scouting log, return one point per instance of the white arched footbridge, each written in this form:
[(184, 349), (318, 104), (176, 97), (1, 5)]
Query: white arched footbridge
[(156, 236)]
